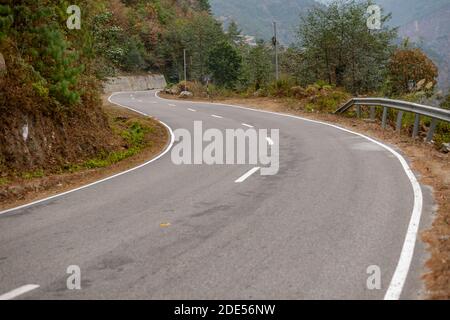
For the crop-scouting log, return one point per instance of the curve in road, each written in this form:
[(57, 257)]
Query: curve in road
[(340, 203)]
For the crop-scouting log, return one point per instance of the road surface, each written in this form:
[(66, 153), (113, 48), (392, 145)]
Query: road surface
[(339, 204)]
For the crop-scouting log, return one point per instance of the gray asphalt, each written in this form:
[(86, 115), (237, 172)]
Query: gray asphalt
[(338, 205)]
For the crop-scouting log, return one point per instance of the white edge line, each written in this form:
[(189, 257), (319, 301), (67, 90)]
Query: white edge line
[(166, 150), (247, 125), (401, 272), (247, 175), (19, 291), (216, 116)]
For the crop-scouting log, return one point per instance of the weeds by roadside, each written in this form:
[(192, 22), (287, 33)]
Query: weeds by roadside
[(136, 139)]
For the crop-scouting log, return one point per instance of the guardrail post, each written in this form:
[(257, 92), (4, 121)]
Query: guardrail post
[(372, 113), (432, 129), (358, 111), (399, 121), (385, 114), (416, 126)]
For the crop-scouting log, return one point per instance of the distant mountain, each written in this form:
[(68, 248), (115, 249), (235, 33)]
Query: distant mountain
[(406, 11), (425, 22), (255, 17)]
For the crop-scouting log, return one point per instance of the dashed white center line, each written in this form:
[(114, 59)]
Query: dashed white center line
[(270, 141), (216, 116), (247, 125), (248, 174), (192, 110), (172, 105), (19, 291)]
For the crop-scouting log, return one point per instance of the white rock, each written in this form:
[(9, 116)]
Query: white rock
[(445, 147), (185, 94), (25, 132), (2, 65)]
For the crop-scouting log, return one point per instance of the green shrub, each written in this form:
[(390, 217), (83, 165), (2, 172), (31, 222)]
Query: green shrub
[(328, 100), (282, 87)]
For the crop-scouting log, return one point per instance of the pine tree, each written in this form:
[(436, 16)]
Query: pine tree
[(225, 64)]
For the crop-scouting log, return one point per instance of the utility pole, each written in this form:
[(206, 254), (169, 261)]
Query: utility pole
[(185, 67), (275, 43)]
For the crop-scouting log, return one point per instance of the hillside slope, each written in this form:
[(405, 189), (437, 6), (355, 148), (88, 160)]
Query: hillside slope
[(50, 92)]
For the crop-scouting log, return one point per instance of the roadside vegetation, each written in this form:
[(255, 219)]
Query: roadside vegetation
[(135, 138), (51, 78), (335, 57)]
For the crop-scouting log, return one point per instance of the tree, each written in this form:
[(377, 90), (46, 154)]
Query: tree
[(259, 64), (407, 67), (337, 46), (198, 35), (225, 63), (291, 62), (234, 32), (204, 5)]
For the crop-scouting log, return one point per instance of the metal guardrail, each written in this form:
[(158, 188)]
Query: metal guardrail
[(436, 114)]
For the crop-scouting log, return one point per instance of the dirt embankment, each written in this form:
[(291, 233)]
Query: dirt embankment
[(124, 139), (432, 165)]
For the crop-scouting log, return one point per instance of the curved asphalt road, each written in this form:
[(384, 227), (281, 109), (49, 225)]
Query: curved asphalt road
[(338, 205)]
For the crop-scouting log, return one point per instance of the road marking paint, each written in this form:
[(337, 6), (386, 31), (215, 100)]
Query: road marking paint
[(398, 280), (19, 291), (216, 116), (165, 225), (192, 110), (269, 141), (248, 174), (168, 148), (247, 125), (172, 105), (139, 100)]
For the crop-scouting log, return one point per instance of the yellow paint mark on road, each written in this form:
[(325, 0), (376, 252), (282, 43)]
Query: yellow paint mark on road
[(164, 225)]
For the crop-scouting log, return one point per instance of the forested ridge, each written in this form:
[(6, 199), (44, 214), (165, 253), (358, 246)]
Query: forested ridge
[(51, 85)]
